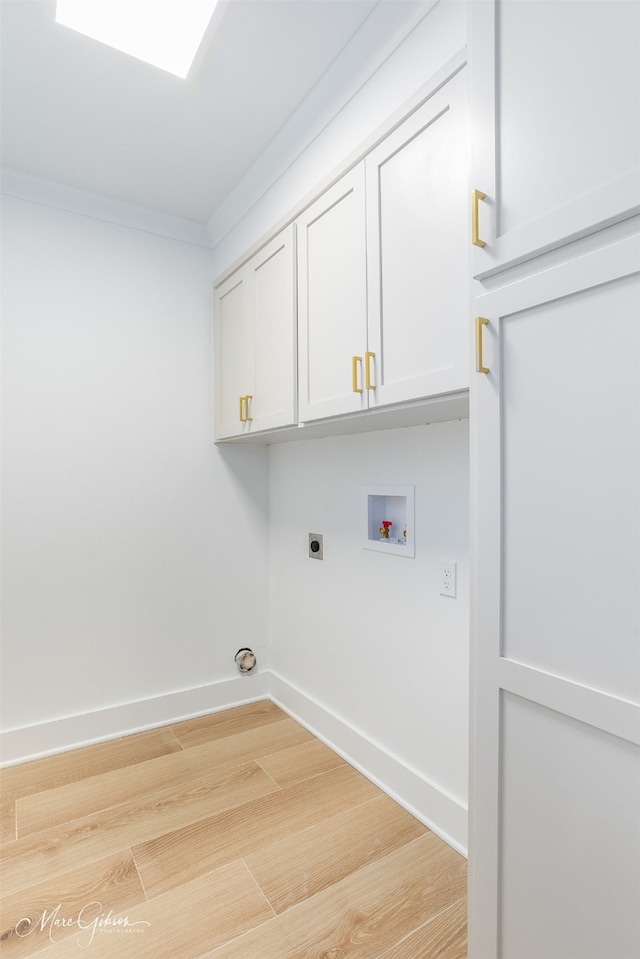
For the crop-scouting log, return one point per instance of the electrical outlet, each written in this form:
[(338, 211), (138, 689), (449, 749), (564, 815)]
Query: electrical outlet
[(316, 547), (448, 579)]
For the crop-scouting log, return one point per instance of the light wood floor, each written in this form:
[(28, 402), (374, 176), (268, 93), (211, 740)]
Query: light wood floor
[(233, 836)]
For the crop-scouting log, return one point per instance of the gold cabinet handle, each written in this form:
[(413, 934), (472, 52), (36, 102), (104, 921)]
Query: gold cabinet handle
[(247, 418), (368, 356), (354, 373), (480, 322), (476, 196), (243, 418)]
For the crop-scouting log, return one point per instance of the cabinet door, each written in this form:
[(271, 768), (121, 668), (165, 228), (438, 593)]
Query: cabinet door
[(417, 251), (555, 103), (554, 827), (271, 279), (332, 301), (233, 355)]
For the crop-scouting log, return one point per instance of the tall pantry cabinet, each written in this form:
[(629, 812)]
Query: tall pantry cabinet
[(554, 852)]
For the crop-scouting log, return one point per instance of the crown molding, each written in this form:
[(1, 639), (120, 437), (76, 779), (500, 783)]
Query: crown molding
[(33, 189)]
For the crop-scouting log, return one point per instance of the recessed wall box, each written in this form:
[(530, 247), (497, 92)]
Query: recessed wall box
[(389, 519)]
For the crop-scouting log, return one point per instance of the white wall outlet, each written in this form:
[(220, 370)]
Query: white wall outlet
[(448, 579)]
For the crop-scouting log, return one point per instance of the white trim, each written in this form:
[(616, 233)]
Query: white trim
[(48, 193), (425, 800), (603, 207), (617, 716), (604, 264), (71, 732)]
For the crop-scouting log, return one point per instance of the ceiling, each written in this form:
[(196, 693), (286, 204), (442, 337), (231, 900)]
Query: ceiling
[(89, 117)]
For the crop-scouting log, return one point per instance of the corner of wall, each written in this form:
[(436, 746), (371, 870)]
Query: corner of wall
[(425, 800)]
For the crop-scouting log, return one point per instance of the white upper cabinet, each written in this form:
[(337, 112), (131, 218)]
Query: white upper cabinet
[(417, 252), (382, 285), (332, 301), (555, 132), (254, 343), (233, 354), (272, 279), (383, 270)]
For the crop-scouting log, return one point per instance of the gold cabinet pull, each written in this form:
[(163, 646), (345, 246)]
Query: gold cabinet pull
[(354, 373), (368, 356), (243, 418), (247, 418), (480, 322), (476, 196)]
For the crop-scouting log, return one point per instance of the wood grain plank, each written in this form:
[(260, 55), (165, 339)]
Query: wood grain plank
[(179, 856), (63, 768), (300, 866), (229, 722), (442, 937), (52, 807), (300, 762), (364, 914), (44, 854), (185, 923), (34, 917)]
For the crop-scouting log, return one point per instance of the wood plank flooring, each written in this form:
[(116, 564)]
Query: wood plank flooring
[(231, 836)]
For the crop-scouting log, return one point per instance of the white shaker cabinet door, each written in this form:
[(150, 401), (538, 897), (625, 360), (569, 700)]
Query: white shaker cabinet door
[(233, 355), (332, 301), (554, 851), (555, 131), (417, 245), (254, 343), (273, 303)]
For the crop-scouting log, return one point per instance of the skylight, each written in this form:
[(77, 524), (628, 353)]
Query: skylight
[(165, 33)]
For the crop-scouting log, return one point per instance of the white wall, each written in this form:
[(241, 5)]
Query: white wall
[(134, 551), (367, 635)]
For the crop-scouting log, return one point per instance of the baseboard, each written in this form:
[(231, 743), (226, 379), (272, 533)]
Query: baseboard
[(444, 815), (70, 732)]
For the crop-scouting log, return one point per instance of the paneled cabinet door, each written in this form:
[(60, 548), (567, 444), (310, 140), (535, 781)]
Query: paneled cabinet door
[(332, 301), (273, 294), (254, 343), (233, 355), (555, 751), (417, 251), (555, 103)]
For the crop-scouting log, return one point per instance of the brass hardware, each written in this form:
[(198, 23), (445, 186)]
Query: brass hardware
[(480, 322), (354, 373), (244, 409), (475, 216), (368, 356)]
